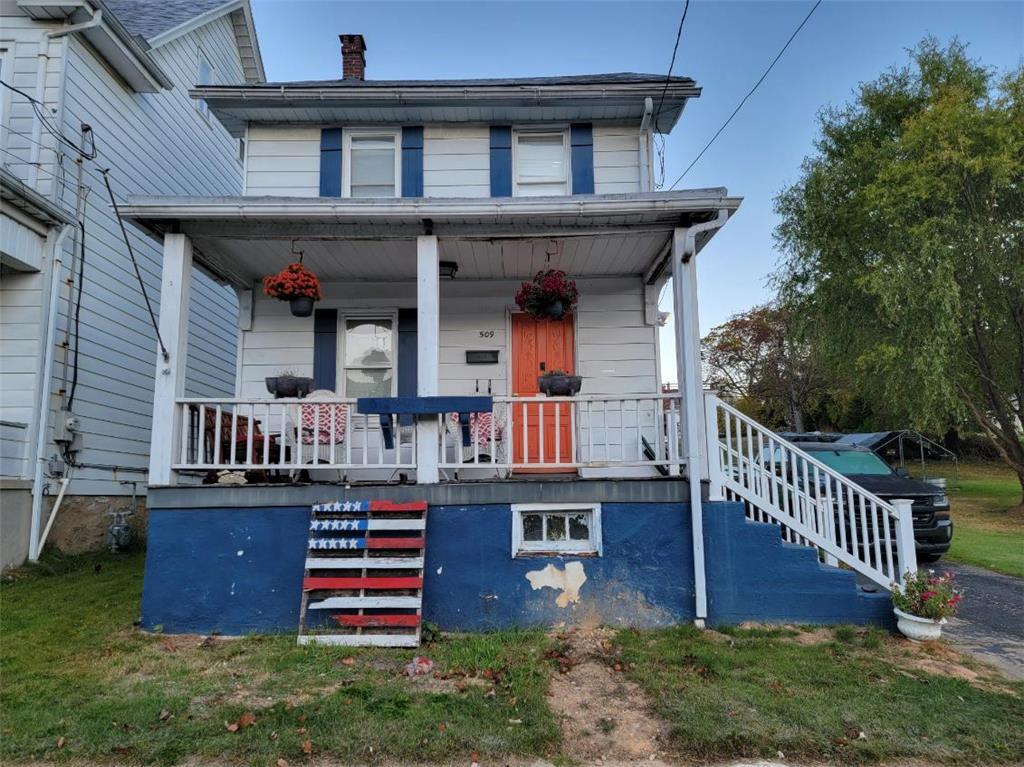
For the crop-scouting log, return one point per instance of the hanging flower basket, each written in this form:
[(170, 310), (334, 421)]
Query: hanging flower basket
[(548, 296), (296, 285)]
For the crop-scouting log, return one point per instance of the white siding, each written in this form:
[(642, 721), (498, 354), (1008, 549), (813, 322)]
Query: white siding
[(616, 159), (456, 161), (283, 161), (21, 310), (616, 352), (154, 144)]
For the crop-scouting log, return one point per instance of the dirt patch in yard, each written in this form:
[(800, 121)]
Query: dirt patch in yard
[(604, 715)]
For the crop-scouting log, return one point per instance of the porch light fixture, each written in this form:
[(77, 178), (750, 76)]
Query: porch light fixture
[(447, 269)]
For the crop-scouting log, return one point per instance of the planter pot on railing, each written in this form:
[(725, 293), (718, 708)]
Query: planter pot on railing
[(559, 385), (917, 628), (289, 386)]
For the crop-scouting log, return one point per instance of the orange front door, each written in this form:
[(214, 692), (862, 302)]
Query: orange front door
[(540, 346)]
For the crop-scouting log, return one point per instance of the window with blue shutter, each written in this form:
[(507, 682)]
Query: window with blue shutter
[(330, 162), (325, 349), (412, 161), (581, 136), (501, 161)]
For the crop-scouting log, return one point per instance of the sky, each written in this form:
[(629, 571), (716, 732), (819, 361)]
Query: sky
[(725, 46)]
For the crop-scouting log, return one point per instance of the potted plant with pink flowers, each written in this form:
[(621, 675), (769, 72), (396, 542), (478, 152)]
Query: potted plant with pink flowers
[(924, 603), (550, 295)]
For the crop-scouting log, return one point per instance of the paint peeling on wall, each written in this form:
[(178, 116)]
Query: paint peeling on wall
[(568, 581)]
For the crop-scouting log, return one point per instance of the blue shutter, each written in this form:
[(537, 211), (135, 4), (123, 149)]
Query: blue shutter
[(407, 357), (325, 348), (330, 162), (412, 161), (582, 156), (501, 161)]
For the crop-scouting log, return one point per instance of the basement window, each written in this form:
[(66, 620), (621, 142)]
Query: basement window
[(544, 528)]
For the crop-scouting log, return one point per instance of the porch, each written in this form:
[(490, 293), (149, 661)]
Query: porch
[(390, 325)]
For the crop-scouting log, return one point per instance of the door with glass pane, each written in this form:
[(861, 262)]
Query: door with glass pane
[(368, 357)]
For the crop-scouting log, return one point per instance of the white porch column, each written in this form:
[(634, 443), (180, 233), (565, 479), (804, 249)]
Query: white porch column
[(428, 355), (687, 340), (175, 294)]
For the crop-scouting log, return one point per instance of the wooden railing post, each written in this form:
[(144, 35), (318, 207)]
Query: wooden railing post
[(716, 483), (906, 551)]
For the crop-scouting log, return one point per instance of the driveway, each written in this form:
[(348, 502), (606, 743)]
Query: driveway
[(990, 623)]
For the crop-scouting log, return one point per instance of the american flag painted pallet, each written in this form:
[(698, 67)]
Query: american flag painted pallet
[(363, 584)]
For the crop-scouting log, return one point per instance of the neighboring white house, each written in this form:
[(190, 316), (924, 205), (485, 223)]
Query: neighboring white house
[(109, 81)]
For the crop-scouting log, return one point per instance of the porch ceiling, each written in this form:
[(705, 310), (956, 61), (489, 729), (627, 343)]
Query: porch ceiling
[(243, 238)]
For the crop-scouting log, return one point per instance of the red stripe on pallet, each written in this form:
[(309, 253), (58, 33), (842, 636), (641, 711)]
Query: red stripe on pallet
[(309, 584), (394, 543), (391, 506), (370, 621)]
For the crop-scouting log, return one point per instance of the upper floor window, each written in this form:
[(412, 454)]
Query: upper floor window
[(541, 163), (204, 77), (371, 164)]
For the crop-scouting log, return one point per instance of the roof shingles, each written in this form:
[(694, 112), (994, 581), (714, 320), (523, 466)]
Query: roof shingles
[(149, 18)]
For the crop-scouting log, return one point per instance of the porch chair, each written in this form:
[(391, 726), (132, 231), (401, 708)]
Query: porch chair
[(316, 424), (233, 446), (479, 437)]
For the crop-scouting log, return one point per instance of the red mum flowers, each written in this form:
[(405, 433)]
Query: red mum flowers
[(549, 290), (294, 281)]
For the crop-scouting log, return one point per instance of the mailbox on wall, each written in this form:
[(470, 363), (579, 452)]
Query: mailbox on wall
[(482, 357)]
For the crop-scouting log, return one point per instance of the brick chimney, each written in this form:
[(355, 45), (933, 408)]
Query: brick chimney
[(353, 58)]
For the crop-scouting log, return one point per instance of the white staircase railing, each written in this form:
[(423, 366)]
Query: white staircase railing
[(813, 504)]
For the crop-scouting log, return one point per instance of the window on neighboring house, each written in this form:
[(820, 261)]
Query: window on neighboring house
[(371, 164), (241, 150), (556, 529), (369, 357), (541, 164), (205, 77)]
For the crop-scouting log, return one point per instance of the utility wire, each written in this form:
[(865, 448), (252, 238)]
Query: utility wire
[(749, 94), (135, 264), (44, 120), (664, 90)]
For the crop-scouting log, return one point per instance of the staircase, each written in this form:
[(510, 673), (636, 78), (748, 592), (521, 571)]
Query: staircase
[(363, 584), (813, 505)]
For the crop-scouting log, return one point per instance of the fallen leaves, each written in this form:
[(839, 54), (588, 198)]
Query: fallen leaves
[(248, 719), (307, 747), (61, 741)]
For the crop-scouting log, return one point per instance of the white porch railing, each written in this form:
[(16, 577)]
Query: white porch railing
[(813, 504), (286, 435), (567, 433)]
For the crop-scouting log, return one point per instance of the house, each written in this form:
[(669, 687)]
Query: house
[(88, 87), (422, 207)]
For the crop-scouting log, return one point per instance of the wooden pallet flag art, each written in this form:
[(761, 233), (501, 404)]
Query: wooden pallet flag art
[(363, 584)]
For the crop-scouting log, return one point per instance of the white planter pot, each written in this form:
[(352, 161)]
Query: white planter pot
[(916, 628)]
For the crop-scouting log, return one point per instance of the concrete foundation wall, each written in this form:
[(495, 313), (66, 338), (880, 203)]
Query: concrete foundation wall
[(238, 570), (15, 521)]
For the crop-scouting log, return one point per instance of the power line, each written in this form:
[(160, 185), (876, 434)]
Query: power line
[(39, 108), (749, 94), (668, 79)]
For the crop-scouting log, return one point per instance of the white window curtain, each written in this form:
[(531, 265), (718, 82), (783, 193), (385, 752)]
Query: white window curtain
[(541, 164), (372, 166)]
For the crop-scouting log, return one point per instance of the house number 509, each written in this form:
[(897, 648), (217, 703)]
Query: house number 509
[(487, 334)]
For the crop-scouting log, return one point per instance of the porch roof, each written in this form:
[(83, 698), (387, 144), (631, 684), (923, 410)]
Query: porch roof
[(243, 238)]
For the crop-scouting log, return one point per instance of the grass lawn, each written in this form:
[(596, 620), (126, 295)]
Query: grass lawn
[(752, 693), (78, 681), (81, 684), (987, 516)]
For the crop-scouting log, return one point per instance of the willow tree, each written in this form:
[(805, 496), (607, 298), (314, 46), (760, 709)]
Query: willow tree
[(903, 245)]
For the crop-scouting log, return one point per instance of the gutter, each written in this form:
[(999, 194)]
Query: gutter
[(43, 409)]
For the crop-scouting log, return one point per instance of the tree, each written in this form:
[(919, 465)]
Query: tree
[(903, 245), (756, 360)]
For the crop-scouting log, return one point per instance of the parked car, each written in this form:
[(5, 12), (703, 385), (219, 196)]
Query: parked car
[(933, 528)]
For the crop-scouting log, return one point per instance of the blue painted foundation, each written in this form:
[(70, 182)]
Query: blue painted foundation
[(239, 570)]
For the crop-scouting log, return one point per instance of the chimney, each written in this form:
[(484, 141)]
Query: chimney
[(353, 60)]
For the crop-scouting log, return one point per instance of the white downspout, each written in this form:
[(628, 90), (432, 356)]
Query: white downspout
[(95, 21), (684, 288), (43, 408), (644, 140)]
